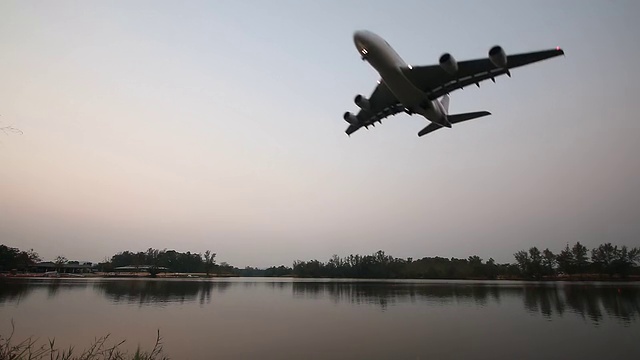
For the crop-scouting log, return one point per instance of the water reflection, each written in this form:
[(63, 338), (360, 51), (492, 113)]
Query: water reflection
[(591, 301), (56, 285), (588, 301), (385, 294), (13, 292), (160, 292)]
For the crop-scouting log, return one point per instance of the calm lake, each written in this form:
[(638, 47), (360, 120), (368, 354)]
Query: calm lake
[(259, 318)]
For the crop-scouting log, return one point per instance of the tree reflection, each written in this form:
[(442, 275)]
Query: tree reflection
[(591, 302), (159, 292), (17, 289), (617, 301), (588, 301), (543, 299), (389, 293), (13, 291), (594, 302)]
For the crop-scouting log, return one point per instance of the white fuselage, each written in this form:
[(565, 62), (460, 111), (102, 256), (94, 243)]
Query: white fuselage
[(390, 66)]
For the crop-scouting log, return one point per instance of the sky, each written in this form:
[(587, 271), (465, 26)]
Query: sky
[(218, 125)]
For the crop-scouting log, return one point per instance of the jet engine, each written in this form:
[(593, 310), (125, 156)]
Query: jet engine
[(350, 118), (362, 102), (498, 57), (448, 63)]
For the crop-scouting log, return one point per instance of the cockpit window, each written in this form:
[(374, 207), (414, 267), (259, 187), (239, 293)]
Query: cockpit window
[(363, 50)]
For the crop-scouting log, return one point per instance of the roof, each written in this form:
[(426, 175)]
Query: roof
[(49, 264)]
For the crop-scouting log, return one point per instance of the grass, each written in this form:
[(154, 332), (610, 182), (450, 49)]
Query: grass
[(100, 349)]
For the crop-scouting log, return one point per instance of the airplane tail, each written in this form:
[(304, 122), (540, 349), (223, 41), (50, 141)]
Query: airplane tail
[(453, 119), (456, 118)]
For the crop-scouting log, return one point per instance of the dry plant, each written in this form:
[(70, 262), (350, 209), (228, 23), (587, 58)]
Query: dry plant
[(100, 349)]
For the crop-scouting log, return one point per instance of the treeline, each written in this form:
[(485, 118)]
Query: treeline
[(15, 259), (268, 272), (159, 260), (188, 262), (606, 259), (382, 266)]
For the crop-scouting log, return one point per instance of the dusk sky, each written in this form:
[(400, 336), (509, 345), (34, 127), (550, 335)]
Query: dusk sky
[(218, 125)]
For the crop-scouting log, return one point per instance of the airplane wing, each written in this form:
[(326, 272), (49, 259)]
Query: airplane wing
[(382, 103), (436, 82)]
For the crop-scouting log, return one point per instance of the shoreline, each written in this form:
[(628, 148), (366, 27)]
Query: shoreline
[(145, 275)]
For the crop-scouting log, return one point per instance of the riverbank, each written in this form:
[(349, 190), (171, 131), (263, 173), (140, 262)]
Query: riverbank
[(116, 275), (574, 277)]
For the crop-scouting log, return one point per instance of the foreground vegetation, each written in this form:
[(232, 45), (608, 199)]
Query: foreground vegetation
[(606, 261), (100, 349)]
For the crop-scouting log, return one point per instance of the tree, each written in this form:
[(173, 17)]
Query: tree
[(548, 261), (476, 265), (209, 261), (524, 263), (566, 261), (105, 265), (625, 260), (634, 256), (277, 271), (603, 258), (14, 259), (580, 255), (59, 262), (535, 257), (152, 258), (491, 269), (225, 268), (8, 257)]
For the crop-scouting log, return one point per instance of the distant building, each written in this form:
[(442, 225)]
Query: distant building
[(140, 268), (75, 267)]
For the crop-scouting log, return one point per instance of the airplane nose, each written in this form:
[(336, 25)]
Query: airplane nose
[(360, 40), (360, 36)]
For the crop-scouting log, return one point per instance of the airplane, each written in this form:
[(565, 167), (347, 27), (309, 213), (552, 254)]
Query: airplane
[(424, 90)]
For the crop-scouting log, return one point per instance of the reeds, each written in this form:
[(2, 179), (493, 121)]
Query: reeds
[(100, 349)]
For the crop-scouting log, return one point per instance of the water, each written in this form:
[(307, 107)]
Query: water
[(326, 319)]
